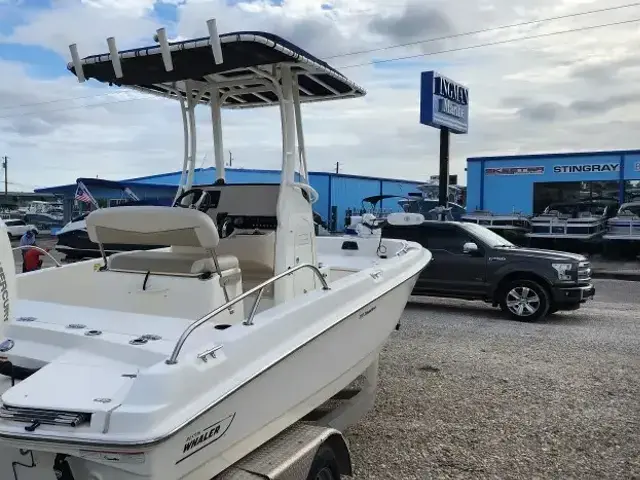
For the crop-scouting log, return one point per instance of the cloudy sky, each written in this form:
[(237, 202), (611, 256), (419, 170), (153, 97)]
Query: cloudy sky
[(576, 91)]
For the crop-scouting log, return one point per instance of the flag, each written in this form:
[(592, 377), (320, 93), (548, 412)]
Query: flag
[(83, 196)]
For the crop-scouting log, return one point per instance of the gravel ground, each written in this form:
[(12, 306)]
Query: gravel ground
[(465, 394)]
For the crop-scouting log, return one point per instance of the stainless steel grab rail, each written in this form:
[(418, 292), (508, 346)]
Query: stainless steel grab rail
[(24, 247), (173, 359)]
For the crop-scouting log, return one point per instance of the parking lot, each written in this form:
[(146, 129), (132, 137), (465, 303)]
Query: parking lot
[(466, 394)]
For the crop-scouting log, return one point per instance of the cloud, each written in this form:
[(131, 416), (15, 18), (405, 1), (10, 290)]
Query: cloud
[(573, 91)]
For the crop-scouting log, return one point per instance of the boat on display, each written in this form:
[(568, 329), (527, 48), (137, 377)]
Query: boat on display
[(624, 229), (44, 215), (581, 220), (511, 226), (178, 363), (430, 209), (73, 239), (369, 214)]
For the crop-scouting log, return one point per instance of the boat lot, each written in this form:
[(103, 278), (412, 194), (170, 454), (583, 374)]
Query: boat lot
[(466, 394)]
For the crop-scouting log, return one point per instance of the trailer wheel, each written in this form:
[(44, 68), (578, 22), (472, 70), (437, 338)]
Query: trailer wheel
[(325, 465)]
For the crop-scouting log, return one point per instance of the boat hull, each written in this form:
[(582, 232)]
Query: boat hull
[(249, 416)]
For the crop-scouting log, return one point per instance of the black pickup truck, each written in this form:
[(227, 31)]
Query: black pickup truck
[(473, 263)]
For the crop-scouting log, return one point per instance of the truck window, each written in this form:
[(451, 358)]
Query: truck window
[(449, 239)]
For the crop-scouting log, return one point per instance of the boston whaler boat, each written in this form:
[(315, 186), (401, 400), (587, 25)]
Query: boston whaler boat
[(198, 360)]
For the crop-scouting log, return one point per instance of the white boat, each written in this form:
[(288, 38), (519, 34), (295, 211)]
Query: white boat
[(179, 362), (44, 215), (515, 222), (625, 226), (582, 220), (431, 191)]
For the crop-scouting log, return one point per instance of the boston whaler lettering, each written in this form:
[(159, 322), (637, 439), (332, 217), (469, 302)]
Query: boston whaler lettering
[(211, 357)]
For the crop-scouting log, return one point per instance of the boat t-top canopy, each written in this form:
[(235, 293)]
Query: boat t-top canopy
[(234, 70), (246, 60)]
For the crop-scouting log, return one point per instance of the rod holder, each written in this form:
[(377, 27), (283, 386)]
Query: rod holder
[(216, 46), (115, 57), (77, 65), (161, 35)]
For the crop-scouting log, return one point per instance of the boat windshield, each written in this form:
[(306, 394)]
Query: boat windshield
[(578, 209), (633, 209), (487, 236)]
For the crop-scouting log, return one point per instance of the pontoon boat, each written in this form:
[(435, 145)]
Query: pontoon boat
[(511, 225), (583, 220), (177, 363), (625, 226)]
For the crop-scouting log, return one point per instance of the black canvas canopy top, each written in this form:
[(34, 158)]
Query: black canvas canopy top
[(243, 52)]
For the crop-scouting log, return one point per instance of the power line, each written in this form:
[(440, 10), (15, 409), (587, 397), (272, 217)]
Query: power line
[(483, 30), (375, 62), (491, 44), (8, 107), (389, 47)]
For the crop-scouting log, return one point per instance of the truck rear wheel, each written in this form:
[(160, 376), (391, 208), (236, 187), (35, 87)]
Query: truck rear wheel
[(325, 465), (524, 300)]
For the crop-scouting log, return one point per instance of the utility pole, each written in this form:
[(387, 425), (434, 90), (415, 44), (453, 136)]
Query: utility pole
[(337, 167), (230, 159), (6, 178)]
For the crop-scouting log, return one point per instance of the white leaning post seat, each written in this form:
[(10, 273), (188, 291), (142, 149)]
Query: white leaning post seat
[(157, 225)]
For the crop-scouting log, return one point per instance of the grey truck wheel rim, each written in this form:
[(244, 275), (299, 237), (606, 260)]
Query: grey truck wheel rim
[(523, 301)]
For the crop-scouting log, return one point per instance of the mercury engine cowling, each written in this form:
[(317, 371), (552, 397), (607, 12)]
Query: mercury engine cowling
[(8, 287)]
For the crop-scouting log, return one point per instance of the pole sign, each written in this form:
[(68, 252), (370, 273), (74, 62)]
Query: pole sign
[(443, 103)]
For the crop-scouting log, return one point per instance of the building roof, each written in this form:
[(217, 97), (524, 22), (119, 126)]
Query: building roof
[(550, 156), (175, 177)]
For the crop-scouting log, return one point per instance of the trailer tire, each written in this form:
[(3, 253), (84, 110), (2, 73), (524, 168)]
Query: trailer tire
[(325, 465)]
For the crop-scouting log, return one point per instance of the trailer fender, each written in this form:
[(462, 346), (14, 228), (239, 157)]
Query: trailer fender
[(289, 455)]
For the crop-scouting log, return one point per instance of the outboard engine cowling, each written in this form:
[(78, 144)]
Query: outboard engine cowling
[(8, 286)]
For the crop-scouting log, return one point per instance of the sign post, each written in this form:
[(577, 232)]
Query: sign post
[(444, 104)]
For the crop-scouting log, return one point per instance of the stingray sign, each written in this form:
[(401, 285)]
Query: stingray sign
[(443, 103)]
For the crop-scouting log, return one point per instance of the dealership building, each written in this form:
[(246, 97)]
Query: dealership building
[(529, 183), (338, 192)]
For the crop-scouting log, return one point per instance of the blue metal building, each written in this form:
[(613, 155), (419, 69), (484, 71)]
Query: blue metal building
[(529, 183), (338, 192)]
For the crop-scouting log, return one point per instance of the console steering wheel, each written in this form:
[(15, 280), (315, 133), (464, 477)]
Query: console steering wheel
[(201, 200)]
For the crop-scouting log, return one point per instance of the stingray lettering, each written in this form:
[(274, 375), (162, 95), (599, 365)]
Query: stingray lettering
[(596, 167)]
